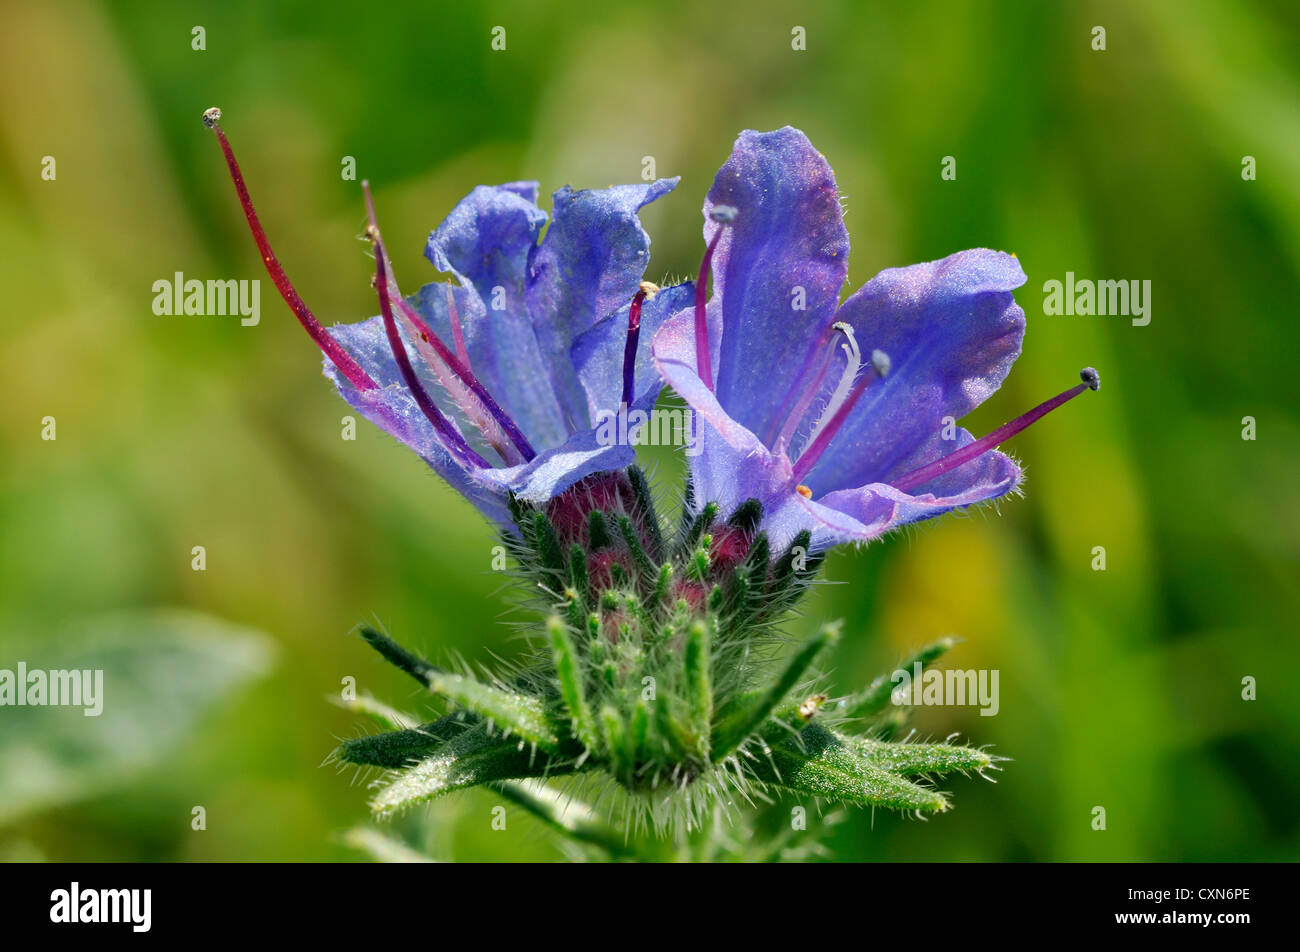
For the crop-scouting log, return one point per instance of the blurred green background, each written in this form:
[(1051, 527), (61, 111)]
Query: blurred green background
[(1119, 688)]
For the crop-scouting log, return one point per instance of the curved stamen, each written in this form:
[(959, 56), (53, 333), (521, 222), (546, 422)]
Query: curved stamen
[(810, 456), (853, 362), (646, 292), (348, 367), (451, 438), (426, 335), (723, 215), (495, 425), (919, 477)]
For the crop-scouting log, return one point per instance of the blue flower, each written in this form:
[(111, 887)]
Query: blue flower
[(837, 417), (498, 380)]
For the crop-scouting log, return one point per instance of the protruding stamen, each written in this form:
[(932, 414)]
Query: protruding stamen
[(499, 417), (723, 215), (465, 389), (344, 361), (852, 363), (633, 337), (449, 435), (809, 457), (919, 477)]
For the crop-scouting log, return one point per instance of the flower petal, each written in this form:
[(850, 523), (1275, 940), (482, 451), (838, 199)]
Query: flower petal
[(589, 264), (486, 243), (673, 353), (555, 470), (394, 410), (952, 330), (729, 471), (880, 507), (730, 464), (787, 247)]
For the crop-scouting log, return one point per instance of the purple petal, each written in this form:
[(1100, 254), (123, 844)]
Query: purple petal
[(732, 469), (394, 410), (486, 242), (729, 464), (589, 264), (880, 507), (729, 471), (555, 470), (952, 331), (673, 353), (787, 246)]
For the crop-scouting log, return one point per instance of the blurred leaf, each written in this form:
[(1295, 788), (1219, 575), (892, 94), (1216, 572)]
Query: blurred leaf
[(381, 847), (163, 672), (474, 757)]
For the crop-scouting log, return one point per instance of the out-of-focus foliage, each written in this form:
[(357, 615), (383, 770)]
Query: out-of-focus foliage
[(1119, 689)]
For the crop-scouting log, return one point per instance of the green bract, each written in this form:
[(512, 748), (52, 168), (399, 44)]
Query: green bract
[(658, 670)]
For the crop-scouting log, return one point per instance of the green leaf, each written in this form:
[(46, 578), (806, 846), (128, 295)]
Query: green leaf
[(747, 516), (698, 527), (912, 759), (568, 673), (163, 674), (566, 815), (822, 764), (649, 519), (520, 714), (740, 720), (400, 748), (547, 544), (633, 542), (598, 531), (579, 580), (784, 570), (473, 757), (381, 847), (377, 711), (398, 656), (699, 683), (876, 697)]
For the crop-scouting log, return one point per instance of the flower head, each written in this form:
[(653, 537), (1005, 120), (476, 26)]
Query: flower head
[(838, 418), (497, 380), (819, 423)]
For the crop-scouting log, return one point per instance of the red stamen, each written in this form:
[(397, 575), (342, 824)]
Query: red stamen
[(461, 370), (450, 437), (919, 477), (347, 366), (457, 365), (629, 349)]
